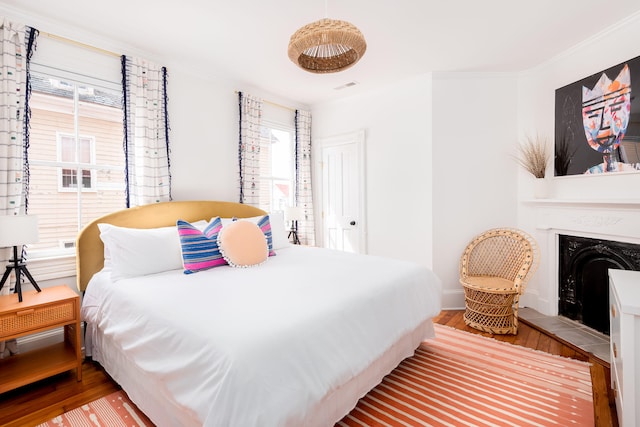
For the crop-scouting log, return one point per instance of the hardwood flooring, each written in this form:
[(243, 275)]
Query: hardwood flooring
[(39, 402)]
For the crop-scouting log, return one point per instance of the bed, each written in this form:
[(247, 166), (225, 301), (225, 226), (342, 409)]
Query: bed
[(294, 341)]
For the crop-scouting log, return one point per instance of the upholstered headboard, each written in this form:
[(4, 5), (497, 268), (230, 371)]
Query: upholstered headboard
[(89, 247)]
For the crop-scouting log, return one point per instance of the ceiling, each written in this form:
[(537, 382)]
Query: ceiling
[(246, 40)]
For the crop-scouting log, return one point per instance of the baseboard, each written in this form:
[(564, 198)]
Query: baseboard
[(40, 339), (452, 299)]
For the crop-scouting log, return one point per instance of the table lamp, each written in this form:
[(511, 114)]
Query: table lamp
[(294, 214), (18, 230)]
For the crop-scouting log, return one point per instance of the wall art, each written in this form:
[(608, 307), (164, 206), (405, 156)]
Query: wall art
[(597, 123)]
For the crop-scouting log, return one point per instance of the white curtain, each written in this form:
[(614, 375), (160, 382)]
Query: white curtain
[(146, 146), (249, 148), (304, 197), (17, 43)]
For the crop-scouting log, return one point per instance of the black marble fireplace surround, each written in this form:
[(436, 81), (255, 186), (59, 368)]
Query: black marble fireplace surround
[(583, 277)]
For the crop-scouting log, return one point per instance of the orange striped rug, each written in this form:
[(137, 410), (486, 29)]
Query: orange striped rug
[(113, 410), (457, 379), (462, 379)]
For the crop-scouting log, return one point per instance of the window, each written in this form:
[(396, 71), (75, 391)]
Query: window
[(76, 164), (277, 143), (67, 152)]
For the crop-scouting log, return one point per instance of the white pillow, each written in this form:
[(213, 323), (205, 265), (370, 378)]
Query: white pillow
[(202, 224), (278, 231), (132, 252)]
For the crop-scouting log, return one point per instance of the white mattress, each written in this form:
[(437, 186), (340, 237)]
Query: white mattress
[(260, 346)]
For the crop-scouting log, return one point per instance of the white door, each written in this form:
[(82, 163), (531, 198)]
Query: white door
[(343, 195)]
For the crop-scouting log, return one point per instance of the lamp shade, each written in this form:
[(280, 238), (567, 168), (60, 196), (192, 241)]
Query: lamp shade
[(293, 213), (326, 46), (16, 230)]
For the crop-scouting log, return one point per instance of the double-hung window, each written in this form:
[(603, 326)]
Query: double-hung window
[(68, 151), (277, 172), (76, 159)]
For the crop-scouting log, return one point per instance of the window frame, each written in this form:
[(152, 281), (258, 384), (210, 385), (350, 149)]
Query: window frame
[(290, 129), (58, 261), (77, 166)]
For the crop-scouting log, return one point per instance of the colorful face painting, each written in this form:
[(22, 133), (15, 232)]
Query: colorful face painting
[(605, 111)]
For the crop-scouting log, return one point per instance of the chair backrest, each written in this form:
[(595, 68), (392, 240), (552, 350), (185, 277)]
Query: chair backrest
[(508, 253)]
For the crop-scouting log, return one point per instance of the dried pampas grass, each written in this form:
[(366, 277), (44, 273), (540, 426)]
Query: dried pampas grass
[(534, 155)]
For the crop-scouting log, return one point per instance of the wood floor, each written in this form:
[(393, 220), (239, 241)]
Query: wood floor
[(39, 402)]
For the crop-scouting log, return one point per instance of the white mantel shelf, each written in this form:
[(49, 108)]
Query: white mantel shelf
[(618, 203), (598, 218)]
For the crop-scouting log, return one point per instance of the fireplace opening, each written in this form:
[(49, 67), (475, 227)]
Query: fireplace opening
[(584, 280)]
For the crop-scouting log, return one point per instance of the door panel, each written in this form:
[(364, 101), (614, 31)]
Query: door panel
[(343, 196)]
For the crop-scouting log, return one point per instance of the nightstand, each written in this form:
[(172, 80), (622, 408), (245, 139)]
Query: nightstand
[(54, 307)]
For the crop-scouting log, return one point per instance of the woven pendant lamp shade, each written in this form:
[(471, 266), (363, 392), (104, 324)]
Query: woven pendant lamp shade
[(327, 46)]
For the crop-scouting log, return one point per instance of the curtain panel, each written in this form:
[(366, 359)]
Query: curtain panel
[(17, 44), (250, 123), (303, 193), (146, 132)]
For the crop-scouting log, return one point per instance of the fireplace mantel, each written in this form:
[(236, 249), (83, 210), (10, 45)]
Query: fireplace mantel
[(621, 203), (613, 219)]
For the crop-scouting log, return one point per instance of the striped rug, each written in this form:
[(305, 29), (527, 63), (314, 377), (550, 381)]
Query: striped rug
[(113, 410), (456, 379), (462, 379)]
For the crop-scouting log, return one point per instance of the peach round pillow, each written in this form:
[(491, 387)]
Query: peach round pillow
[(243, 244)]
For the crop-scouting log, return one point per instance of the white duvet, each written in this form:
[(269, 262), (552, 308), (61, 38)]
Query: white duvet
[(254, 346)]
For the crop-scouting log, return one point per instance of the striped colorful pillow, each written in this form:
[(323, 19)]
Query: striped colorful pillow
[(265, 225), (200, 249)]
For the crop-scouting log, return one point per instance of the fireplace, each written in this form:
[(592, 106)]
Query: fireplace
[(603, 221), (583, 277)]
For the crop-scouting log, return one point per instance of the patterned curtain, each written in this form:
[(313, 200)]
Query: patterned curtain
[(249, 148), (17, 44), (146, 132), (304, 199)]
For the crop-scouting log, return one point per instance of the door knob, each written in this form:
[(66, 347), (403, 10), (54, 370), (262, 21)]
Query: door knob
[(352, 223)]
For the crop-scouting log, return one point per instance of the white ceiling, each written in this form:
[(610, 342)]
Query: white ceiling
[(246, 40)]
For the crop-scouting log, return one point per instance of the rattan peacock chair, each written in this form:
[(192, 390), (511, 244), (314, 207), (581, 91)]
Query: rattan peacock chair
[(494, 271)]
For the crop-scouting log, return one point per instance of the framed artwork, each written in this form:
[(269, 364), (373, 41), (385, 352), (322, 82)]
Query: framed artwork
[(597, 123)]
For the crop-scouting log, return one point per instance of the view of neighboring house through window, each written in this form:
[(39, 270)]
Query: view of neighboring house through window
[(68, 177), (276, 167), (76, 161)]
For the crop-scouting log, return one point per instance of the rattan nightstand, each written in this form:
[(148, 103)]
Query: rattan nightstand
[(54, 307)]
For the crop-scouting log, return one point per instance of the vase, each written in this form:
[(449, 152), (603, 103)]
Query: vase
[(540, 188)]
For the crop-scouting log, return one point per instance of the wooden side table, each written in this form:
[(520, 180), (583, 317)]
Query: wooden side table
[(54, 307)]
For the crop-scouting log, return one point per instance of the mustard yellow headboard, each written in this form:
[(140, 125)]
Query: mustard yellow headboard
[(89, 247)]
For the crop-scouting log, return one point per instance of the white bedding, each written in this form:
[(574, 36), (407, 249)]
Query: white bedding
[(256, 346)]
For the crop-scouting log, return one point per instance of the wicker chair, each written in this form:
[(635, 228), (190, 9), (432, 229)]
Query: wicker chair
[(494, 270)]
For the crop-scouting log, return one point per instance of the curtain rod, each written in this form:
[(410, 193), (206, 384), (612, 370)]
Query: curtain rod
[(275, 104), (77, 43)]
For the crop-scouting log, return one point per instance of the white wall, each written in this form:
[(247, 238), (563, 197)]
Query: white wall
[(203, 115), (536, 113), (439, 166), (397, 124), (474, 132)]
